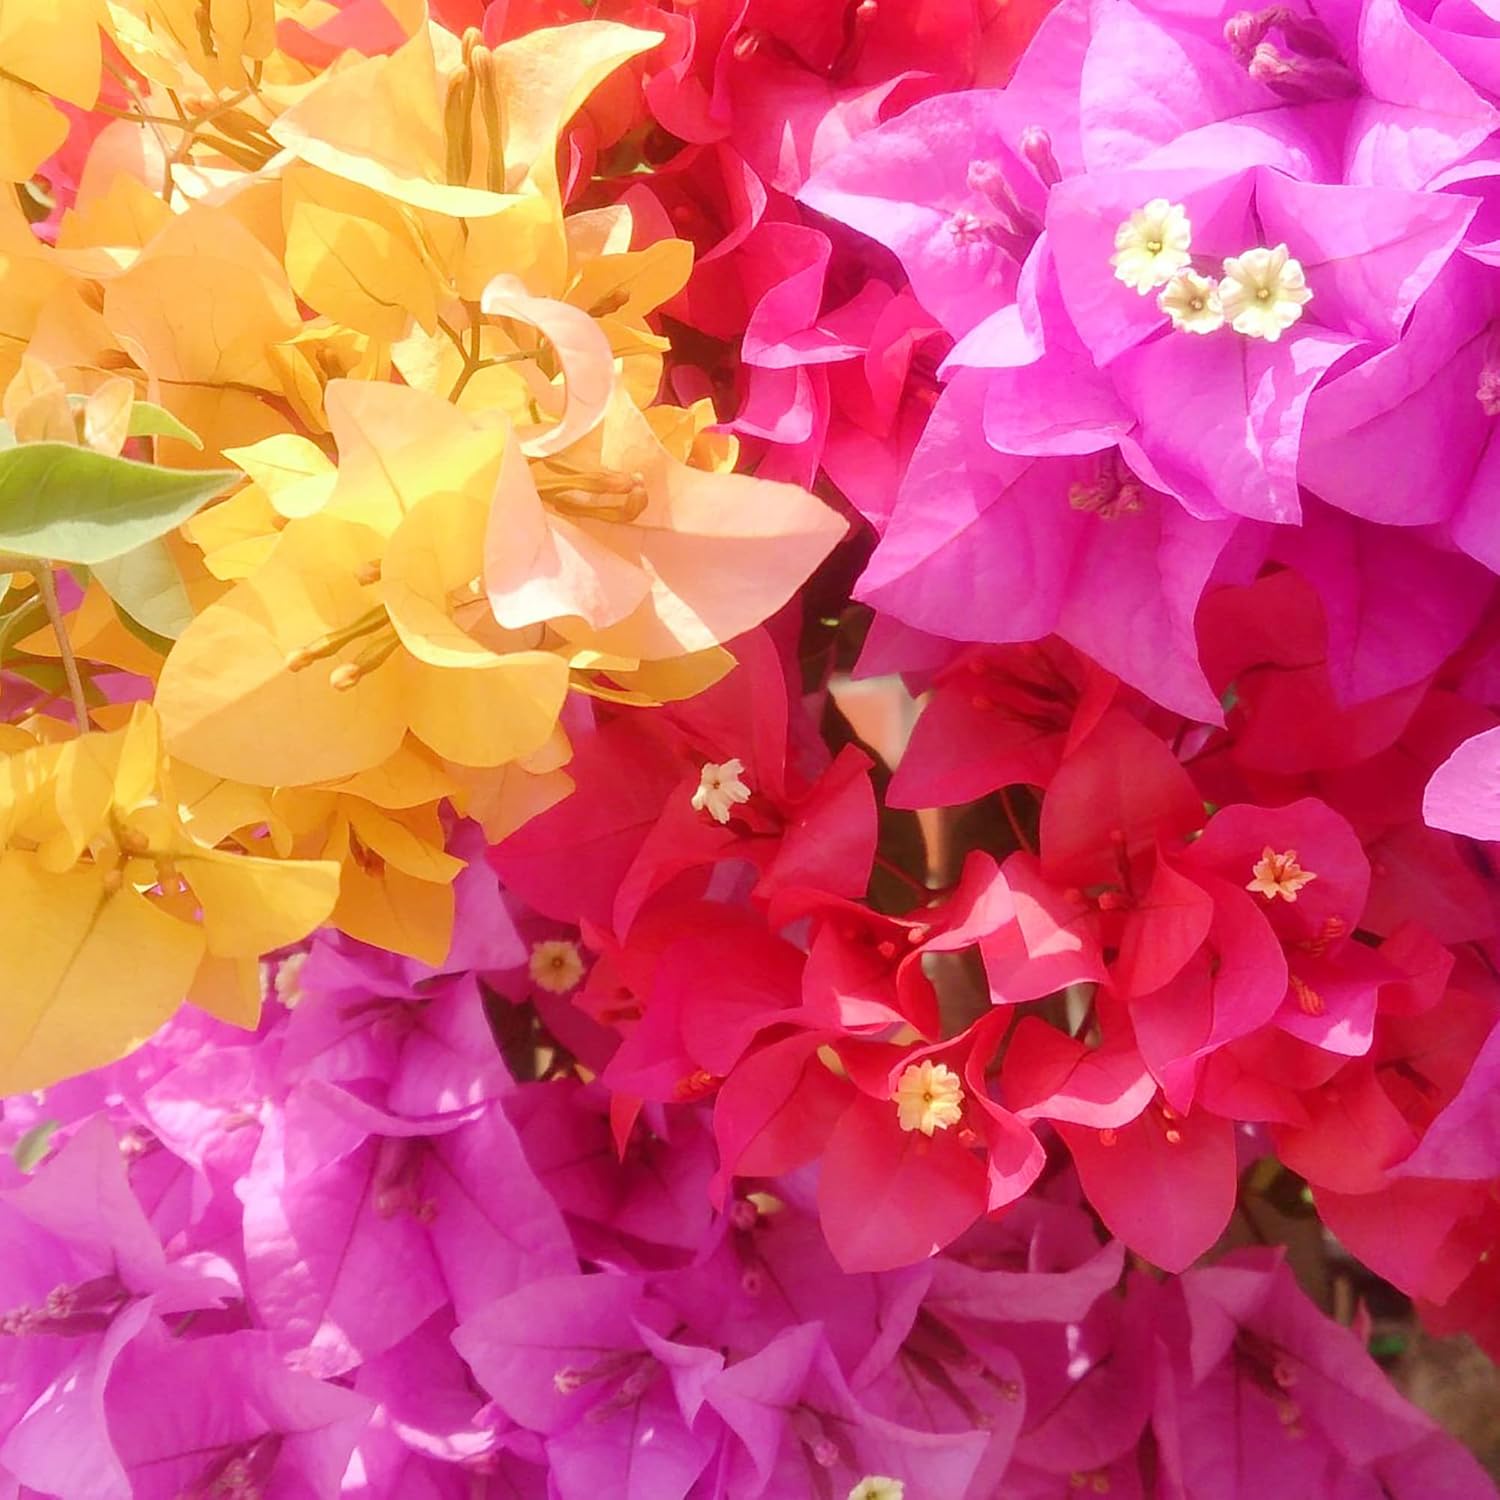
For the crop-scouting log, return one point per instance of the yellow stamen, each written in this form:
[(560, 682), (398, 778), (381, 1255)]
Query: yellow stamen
[(458, 127), (379, 651), (488, 83), (334, 641)]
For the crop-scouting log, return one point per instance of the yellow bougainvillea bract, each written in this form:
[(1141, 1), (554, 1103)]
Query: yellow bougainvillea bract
[(345, 302)]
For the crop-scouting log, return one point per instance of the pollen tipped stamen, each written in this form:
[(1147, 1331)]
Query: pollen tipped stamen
[(1301, 80), (397, 1186), (1488, 392), (491, 115), (241, 1476), (68, 1311), (561, 488), (458, 127), (351, 673), (988, 180), (1036, 147), (335, 641)]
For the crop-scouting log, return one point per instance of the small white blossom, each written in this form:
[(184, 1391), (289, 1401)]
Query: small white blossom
[(555, 965), (928, 1097), (1192, 303), (878, 1487), (720, 789), (1151, 246), (1263, 292)]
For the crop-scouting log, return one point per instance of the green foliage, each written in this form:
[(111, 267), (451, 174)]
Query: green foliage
[(73, 505)]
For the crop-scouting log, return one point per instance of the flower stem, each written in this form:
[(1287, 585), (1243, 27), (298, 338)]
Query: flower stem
[(47, 587)]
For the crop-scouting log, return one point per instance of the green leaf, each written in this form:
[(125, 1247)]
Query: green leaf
[(77, 506), (20, 622), (150, 420), (27, 1153), (147, 419), (146, 584)]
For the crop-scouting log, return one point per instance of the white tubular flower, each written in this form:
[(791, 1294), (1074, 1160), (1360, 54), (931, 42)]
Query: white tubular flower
[(1263, 292), (928, 1097), (720, 789), (1151, 246), (878, 1487), (555, 965), (1192, 303)]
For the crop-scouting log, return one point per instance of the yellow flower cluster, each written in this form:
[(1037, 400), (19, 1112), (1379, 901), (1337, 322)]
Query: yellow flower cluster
[(352, 289)]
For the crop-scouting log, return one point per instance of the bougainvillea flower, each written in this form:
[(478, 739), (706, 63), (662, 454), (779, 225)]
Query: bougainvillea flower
[(935, 1182), (658, 570), (333, 1174), (604, 1397), (1088, 1393), (1420, 115), (1286, 718), (417, 1047), (985, 546), (998, 718), (1313, 902), (99, 853), (791, 1407), (1403, 245), (704, 999), (806, 823), (320, 637), (964, 223), (866, 970), (1306, 1385)]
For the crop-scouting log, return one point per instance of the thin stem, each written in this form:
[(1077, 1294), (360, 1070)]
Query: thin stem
[(47, 586), (898, 873), (1022, 842)]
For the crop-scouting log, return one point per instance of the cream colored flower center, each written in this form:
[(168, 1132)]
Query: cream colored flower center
[(720, 789), (1151, 246), (928, 1097)]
